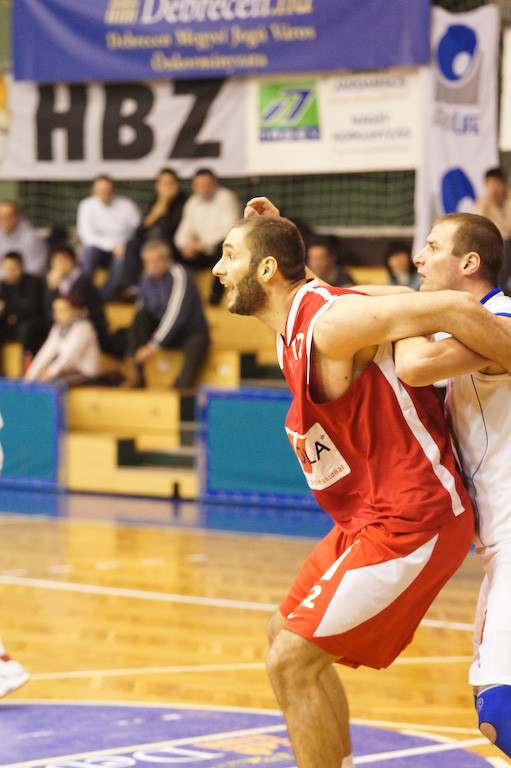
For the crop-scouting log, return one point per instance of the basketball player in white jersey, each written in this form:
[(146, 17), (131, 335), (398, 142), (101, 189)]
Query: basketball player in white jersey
[(12, 674), (376, 455), (464, 252)]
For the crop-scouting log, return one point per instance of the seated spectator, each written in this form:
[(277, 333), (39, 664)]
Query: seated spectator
[(105, 223), (22, 317), (159, 223), (17, 234), (169, 314), (495, 204), (208, 215), (322, 261), (66, 278), (401, 269), (71, 351)]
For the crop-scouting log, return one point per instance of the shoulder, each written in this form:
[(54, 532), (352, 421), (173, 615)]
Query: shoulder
[(498, 303), (86, 202)]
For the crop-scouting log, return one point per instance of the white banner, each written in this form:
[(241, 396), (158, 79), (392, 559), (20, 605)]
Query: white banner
[(505, 100), (345, 122), (334, 123), (128, 130), (460, 135)]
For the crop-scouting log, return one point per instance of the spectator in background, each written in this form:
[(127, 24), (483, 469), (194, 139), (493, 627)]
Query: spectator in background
[(71, 351), (17, 234), (169, 314), (208, 216), (159, 223), (323, 262), (401, 269), (22, 317), (66, 278), (105, 223), (495, 204)]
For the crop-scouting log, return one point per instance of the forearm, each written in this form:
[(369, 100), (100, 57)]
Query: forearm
[(420, 361), (483, 332)]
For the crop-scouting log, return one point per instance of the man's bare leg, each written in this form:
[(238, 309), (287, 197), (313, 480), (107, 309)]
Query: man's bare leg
[(312, 699), (330, 682)]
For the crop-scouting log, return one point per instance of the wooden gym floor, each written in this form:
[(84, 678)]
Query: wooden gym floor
[(126, 600)]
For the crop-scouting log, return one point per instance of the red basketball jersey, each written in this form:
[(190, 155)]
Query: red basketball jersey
[(379, 454)]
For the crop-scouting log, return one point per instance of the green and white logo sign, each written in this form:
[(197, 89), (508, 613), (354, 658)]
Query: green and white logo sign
[(288, 111)]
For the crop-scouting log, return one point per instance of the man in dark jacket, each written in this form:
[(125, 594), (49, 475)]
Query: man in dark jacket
[(169, 314), (22, 316)]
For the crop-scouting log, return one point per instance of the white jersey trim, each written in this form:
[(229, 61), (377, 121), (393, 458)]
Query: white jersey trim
[(383, 359)]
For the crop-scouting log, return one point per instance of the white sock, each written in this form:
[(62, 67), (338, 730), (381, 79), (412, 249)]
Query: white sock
[(348, 762)]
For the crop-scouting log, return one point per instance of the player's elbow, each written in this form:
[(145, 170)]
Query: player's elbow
[(412, 370)]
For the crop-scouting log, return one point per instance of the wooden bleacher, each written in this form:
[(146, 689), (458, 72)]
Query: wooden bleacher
[(101, 418)]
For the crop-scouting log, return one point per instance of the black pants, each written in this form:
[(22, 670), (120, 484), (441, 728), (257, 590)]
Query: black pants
[(194, 346)]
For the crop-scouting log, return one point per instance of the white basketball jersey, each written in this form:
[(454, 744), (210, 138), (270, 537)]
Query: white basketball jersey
[(479, 407)]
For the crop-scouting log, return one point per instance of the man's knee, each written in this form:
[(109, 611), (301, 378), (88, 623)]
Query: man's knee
[(274, 626), (293, 662), (493, 707)]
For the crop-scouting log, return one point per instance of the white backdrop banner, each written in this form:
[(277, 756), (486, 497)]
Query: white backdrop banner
[(460, 133), (349, 122), (334, 123), (505, 100), (128, 130)]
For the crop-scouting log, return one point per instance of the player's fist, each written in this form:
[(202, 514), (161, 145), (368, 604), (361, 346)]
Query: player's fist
[(260, 206)]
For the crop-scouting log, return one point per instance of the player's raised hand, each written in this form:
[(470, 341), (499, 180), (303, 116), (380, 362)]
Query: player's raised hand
[(260, 206)]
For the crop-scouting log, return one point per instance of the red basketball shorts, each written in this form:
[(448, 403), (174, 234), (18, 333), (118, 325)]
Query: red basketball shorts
[(361, 597)]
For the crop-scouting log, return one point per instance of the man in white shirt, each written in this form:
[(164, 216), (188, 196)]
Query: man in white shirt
[(464, 252), (208, 215), (105, 223), (17, 234)]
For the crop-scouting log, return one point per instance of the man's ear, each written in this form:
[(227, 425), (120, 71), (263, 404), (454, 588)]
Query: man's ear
[(471, 263), (268, 268)]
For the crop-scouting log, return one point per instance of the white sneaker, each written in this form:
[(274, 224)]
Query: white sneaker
[(12, 675)]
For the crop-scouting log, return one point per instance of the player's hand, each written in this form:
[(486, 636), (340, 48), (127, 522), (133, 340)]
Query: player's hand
[(260, 206)]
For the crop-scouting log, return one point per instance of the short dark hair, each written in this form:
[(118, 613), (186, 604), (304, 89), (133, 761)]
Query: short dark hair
[(277, 237), (323, 241), (66, 249), (495, 173), (479, 234), (14, 256), (398, 246), (170, 172), (205, 172), (153, 243)]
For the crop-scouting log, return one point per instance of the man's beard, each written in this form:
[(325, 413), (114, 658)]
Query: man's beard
[(250, 297)]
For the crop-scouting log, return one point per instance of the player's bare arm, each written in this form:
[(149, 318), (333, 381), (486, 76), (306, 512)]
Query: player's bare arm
[(420, 361), (356, 322)]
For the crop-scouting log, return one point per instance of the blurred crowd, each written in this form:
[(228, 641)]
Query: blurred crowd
[(53, 292)]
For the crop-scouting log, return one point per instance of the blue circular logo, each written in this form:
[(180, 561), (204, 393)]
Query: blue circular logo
[(456, 52), (456, 188)]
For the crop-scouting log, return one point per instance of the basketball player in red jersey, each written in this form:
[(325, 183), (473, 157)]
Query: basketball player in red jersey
[(376, 455)]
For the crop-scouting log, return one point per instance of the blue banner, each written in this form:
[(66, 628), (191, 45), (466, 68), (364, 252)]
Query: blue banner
[(76, 41)]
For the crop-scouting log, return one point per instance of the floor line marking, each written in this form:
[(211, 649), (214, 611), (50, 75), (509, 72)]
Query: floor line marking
[(228, 667), (136, 594), (164, 597), (430, 749), (433, 660), (149, 670), (412, 726), (150, 745)]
